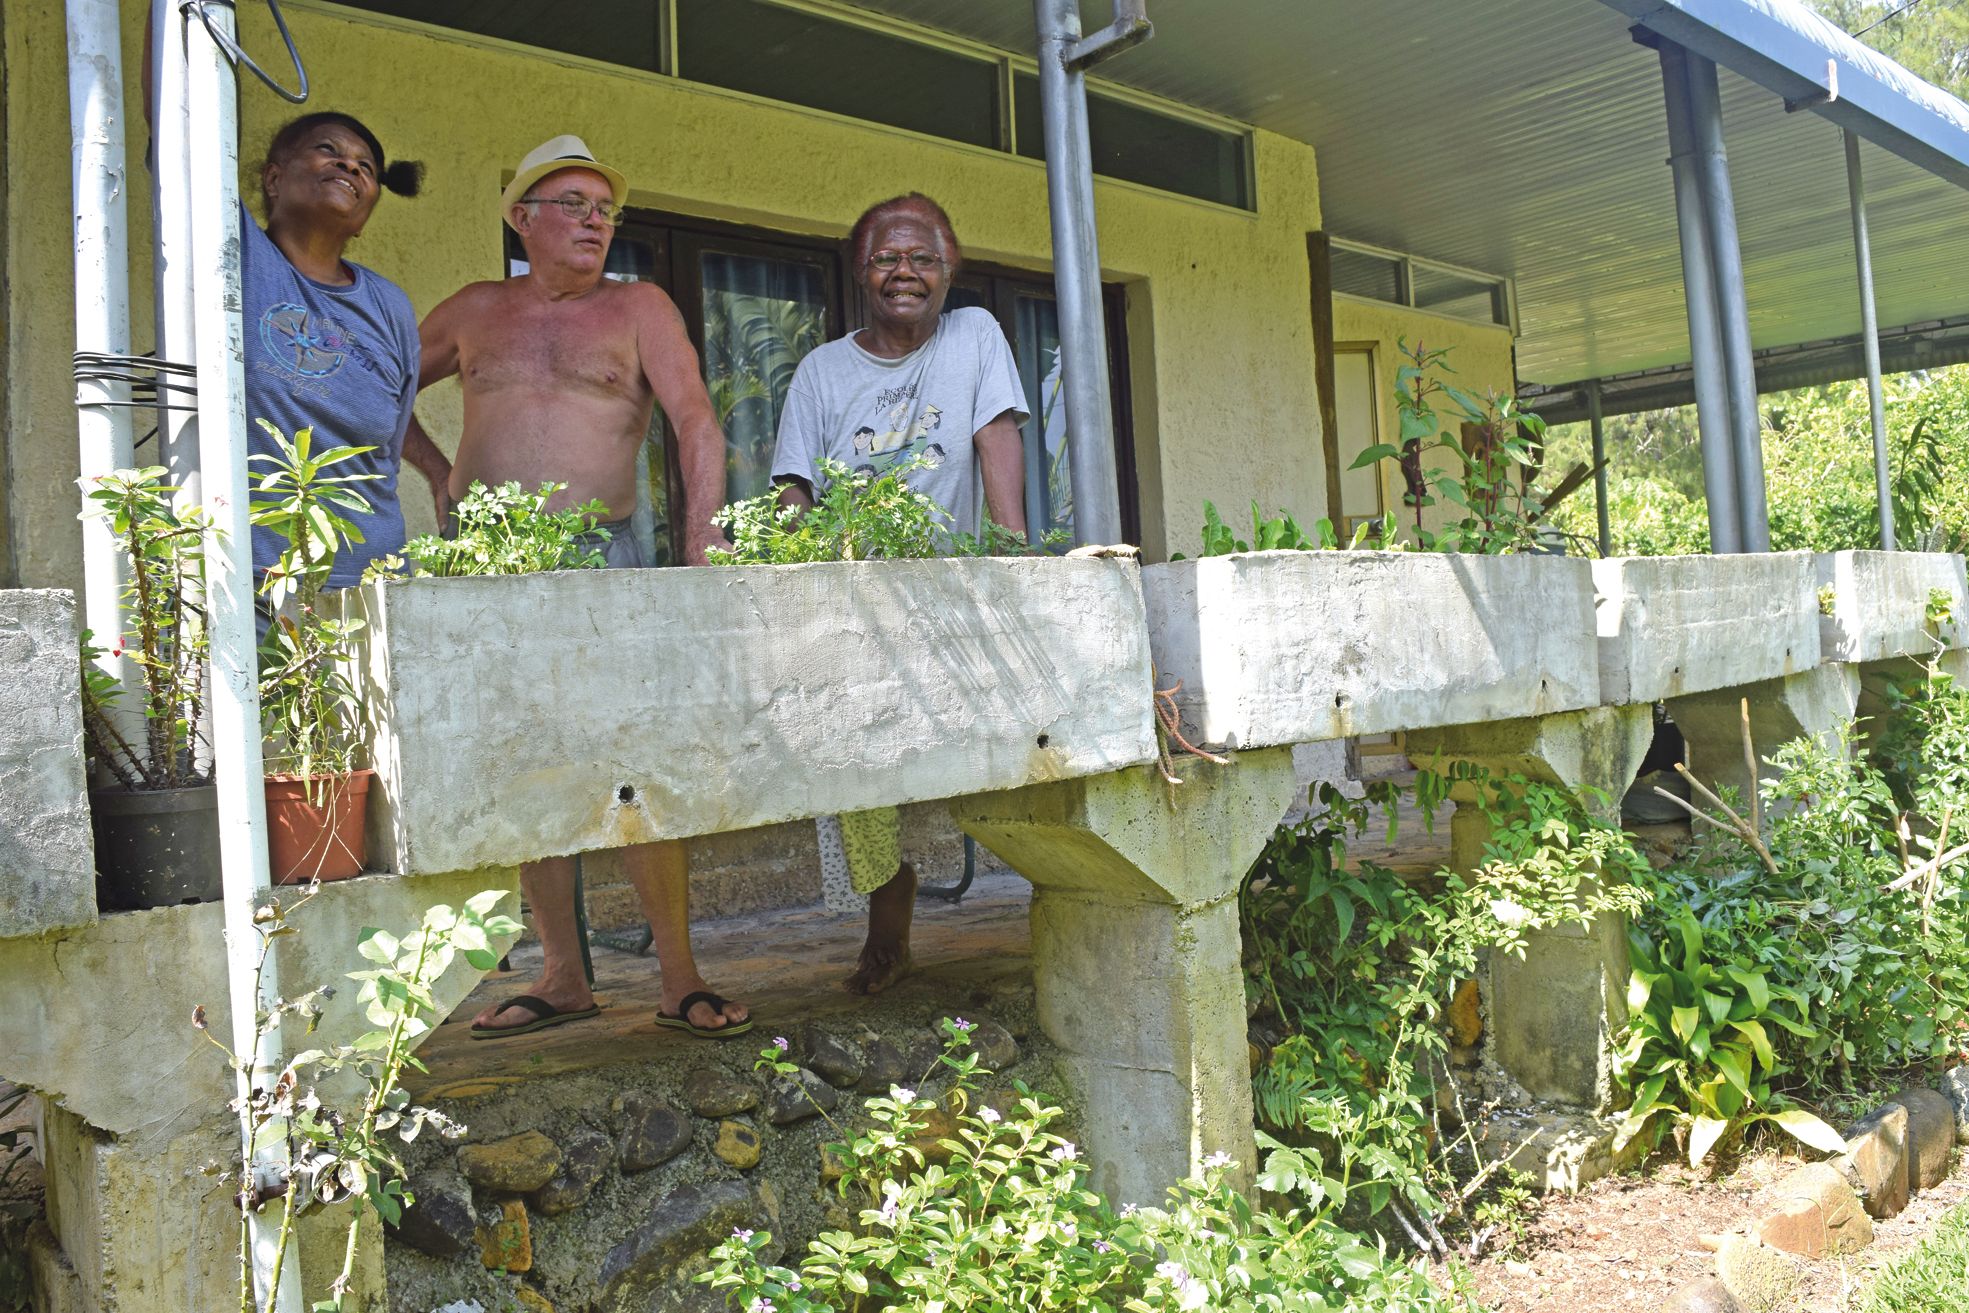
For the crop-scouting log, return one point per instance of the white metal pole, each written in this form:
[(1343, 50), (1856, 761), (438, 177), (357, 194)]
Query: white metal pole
[(214, 156), (98, 172), (1870, 335), (170, 172)]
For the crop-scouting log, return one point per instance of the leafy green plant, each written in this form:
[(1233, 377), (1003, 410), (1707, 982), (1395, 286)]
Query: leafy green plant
[(328, 1157), (164, 636), (855, 517), (309, 706), (1493, 454), (1009, 1222), (505, 530), (1697, 1052), (1282, 533), (1359, 964)]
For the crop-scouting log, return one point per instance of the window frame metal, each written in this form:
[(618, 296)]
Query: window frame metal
[(1503, 289)]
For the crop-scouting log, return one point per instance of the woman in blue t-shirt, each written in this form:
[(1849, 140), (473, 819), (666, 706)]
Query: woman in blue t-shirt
[(331, 345)]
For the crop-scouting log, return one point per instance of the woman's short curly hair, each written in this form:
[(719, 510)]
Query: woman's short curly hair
[(404, 177), (915, 205)]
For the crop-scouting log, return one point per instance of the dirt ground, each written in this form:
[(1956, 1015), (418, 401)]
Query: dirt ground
[(1632, 1241)]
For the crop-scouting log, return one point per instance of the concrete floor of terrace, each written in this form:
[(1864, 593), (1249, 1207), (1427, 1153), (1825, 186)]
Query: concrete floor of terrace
[(788, 965)]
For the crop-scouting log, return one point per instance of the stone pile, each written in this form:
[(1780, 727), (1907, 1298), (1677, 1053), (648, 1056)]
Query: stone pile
[(1827, 1209)]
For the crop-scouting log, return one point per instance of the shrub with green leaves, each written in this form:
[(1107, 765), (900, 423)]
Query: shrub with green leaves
[(1009, 1222), (1358, 964), (504, 530), (1282, 533), (857, 516)]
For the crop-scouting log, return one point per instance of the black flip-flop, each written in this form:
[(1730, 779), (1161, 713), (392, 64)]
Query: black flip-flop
[(545, 1014), (680, 1019)]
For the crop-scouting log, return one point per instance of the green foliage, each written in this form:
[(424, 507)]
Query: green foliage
[(856, 517), (1493, 449), (505, 530), (1282, 533), (1359, 964), (1010, 1223), (164, 632), (1928, 1278), (1845, 941), (1698, 1046), (310, 708), (310, 1153)]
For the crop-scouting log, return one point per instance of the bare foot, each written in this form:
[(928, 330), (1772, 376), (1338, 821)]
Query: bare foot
[(885, 956), (565, 995), (702, 1015)]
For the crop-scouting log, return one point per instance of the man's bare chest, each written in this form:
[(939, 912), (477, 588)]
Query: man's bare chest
[(586, 351)]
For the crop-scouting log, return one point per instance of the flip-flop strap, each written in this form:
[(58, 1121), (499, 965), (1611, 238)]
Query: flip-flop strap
[(539, 1007), (716, 1003)]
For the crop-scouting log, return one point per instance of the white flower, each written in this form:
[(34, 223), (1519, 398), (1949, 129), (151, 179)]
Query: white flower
[(902, 1095), (1509, 912), (741, 1235), (989, 1116), (1065, 1153), (760, 1305), (1172, 1272), (1215, 1161)]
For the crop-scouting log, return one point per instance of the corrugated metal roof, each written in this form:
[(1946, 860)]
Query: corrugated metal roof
[(1527, 138)]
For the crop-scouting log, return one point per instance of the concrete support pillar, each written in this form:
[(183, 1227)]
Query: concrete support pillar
[(1137, 956), (1816, 702), (1553, 1015)]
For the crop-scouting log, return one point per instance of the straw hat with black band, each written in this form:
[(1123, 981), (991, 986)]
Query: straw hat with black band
[(563, 152)]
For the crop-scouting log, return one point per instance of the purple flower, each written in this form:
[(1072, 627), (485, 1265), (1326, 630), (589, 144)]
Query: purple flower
[(741, 1235), (1102, 1246), (966, 1026), (779, 1042)]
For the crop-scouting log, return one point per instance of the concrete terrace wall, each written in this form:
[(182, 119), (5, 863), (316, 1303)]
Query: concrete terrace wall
[(1672, 625), (526, 718), (1221, 342), (47, 856)]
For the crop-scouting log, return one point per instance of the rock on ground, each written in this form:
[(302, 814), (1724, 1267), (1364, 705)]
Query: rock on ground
[(518, 1164), (442, 1222), (1757, 1276), (1956, 1086), (1813, 1212), (1930, 1136), (1876, 1160), (679, 1226)]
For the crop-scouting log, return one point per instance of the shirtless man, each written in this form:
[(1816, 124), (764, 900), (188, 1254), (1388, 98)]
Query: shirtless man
[(560, 368)]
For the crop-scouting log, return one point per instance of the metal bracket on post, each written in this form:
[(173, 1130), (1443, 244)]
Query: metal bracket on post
[(1130, 27)]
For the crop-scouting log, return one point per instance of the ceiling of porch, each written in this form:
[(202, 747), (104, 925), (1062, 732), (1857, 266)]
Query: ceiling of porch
[(1528, 139)]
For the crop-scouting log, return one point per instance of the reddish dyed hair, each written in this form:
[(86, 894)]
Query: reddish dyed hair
[(915, 205)]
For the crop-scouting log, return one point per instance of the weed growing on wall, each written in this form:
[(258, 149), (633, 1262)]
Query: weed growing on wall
[(1358, 965), (504, 530), (303, 1152), (1005, 1219)]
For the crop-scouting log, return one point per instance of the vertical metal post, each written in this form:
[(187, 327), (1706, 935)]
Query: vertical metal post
[(1870, 335), (1597, 423), (1077, 276), (1719, 480), (171, 271), (211, 98), (1732, 311), (97, 171)]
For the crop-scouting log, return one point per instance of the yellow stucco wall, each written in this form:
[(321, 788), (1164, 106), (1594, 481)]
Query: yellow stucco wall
[(1479, 353), (1221, 342)]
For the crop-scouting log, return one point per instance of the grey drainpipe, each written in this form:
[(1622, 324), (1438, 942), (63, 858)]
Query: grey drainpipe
[(1870, 335), (1733, 313), (1719, 480), (1064, 57)]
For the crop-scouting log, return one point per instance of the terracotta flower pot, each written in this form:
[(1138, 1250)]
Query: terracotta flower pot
[(321, 840)]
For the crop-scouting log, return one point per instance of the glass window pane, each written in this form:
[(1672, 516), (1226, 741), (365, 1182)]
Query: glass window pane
[(761, 317), (808, 60), (613, 31), (1358, 273), (1141, 145), (1049, 484), (1458, 294)]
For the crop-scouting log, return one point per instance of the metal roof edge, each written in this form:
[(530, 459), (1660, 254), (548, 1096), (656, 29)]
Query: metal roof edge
[(1785, 48)]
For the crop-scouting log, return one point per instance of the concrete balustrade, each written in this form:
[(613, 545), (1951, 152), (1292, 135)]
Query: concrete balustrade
[(521, 718)]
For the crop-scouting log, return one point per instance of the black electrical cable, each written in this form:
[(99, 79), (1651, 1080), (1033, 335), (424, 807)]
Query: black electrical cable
[(237, 54), (1892, 14)]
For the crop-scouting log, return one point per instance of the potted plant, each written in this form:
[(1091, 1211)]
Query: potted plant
[(153, 805), (310, 708)]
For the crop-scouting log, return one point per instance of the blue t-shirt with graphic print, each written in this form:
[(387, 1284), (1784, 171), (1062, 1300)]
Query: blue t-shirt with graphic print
[(342, 360)]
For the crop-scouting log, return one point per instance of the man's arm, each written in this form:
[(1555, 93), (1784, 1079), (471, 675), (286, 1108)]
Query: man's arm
[(670, 364), (437, 346), (1001, 459)]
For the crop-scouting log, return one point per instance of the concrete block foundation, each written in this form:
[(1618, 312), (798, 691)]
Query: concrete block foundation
[(47, 854), (1819, 702)]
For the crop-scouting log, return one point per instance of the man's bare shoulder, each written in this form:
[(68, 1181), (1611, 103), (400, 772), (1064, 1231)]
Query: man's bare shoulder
[(475, 298)]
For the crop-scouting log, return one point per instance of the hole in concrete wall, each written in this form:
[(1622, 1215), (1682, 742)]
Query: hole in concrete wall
[(1044, 739), (625, 793)]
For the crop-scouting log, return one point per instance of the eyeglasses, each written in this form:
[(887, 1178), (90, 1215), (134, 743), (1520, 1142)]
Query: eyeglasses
[(921, 261), (578, 208)]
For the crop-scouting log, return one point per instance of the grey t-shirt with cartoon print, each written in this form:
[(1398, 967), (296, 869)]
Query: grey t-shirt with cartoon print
[(869, 413)]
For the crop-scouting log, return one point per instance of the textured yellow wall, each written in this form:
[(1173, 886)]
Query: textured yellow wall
[(1221, 341), (1479, 353)]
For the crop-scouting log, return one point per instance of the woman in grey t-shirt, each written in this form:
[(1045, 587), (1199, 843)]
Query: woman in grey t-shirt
[(914, 385)]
